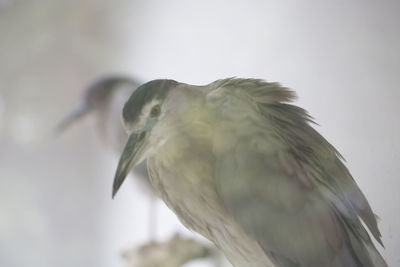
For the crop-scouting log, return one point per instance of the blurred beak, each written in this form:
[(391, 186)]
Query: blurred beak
[(131, 156), (74, 116)]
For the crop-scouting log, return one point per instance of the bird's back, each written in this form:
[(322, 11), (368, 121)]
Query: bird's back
[(284, 183)]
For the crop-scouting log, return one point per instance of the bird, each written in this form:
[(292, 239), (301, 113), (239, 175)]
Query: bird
[(240, 164), (105, 98)]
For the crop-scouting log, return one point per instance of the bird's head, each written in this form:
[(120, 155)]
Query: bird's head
[(150, 116), (95, 98)]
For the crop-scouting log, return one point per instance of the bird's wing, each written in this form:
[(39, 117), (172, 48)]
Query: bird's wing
[(284, 183)]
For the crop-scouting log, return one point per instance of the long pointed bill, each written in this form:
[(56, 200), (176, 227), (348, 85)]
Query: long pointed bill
[(132, 153)]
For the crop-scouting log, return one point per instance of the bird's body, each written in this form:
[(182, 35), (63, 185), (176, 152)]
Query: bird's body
[(190, 192), (244, 168)]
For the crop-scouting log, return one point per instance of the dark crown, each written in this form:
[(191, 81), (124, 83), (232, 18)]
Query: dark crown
[(156, 89)]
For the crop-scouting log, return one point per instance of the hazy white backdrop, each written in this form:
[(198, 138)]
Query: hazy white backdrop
[(342, 58)]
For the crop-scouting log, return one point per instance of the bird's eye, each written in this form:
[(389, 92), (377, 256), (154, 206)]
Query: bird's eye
[(155, 111)]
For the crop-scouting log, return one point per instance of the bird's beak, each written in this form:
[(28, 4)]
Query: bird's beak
[(74, 116), (131, 156)]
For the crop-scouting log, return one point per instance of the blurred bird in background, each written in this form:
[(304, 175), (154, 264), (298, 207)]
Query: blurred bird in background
[(243, 167), (105, 99)]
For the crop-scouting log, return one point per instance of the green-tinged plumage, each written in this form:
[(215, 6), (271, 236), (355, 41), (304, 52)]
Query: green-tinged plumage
[(243, 167)]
